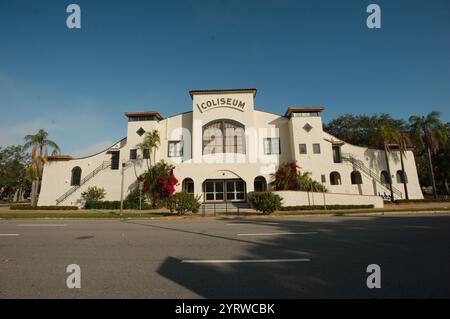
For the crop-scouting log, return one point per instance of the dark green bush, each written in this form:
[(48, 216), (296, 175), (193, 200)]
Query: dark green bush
[(29, 207), (113, 205), (425, 200), (266, 202), (183, 202), (321, 207)]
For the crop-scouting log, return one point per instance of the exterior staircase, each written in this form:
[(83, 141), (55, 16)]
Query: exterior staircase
[(87, 178), (358, 164)]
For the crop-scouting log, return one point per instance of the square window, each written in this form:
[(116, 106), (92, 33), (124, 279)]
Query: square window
[(209, 187), (302, 148), (272, 145), (175, 149), (316, 148), (146, 153)]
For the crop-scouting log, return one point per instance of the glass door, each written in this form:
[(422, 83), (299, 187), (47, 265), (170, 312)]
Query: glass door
[(235, 190), (224, 190)]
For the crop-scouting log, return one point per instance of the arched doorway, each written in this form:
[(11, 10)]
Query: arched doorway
[(335, 178), (260, 184), (188, 185), (75, 180)]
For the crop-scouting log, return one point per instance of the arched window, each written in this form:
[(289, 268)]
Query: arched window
[(188, 185), (401, 177), (384, 177), (335, 178), (76, 176), (356, 178), (260, 184), (223, 136)]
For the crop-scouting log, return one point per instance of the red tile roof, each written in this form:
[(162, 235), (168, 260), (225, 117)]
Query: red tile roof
[(145, 113)]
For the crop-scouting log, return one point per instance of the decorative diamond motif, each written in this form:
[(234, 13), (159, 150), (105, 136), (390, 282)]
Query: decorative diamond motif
[(307, 127), (140, 132)]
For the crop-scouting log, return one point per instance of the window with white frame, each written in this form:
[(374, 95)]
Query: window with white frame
[(272, 145), (175, 148)]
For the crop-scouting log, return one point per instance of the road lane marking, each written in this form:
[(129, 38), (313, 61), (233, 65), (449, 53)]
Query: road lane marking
[(7, 235), (41, 225), (261, 223), (273, 234), (234, 261)]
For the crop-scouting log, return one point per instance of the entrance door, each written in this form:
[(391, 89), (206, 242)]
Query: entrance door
[(213, 191), (229, 190), (235, 190)]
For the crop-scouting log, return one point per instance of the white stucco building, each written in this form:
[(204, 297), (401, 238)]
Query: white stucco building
[(224, 148)]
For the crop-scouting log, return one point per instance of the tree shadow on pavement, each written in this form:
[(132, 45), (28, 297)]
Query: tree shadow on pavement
[(413, 253)]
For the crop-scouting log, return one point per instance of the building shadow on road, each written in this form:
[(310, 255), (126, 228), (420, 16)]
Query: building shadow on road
[(412, 253)]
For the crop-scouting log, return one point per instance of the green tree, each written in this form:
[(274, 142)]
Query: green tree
[(159, 182), (362, 130), (39, 144), (13, 173), (151, 142), (93, 193), (430, 133), (288, 177), (441, 162)]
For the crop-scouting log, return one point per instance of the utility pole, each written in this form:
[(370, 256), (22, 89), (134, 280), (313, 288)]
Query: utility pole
[(121, 187)]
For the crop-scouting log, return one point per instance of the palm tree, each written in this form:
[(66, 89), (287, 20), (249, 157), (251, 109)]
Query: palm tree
[(429, 132), (151, 142), (388, 134), (39, 145)]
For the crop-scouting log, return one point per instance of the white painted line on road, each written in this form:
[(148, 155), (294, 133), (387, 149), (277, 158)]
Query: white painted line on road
[(272, 234), (7, 235), (261, 223), (234, 261), (41, 225)]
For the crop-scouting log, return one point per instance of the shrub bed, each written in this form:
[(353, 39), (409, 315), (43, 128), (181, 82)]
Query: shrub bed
[(321, 207), (425, 200), (183, 202), (265, 202), (29, 207)]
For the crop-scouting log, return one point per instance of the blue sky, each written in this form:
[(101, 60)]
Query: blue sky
[(147, 55)]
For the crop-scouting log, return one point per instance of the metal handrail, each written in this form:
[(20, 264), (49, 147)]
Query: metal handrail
[(99, 168), (360, 165)]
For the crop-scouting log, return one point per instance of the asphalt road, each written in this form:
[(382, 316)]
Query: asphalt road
[(309, 257)]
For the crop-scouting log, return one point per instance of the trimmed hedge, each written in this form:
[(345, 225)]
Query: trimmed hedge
[(425, 200), (29, 207), (321, 207), (114, 205)]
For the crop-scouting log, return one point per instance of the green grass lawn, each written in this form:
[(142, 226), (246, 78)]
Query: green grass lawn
[(362, 211), (75, 214)]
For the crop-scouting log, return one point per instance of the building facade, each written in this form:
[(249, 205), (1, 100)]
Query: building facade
[(225, 148)]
